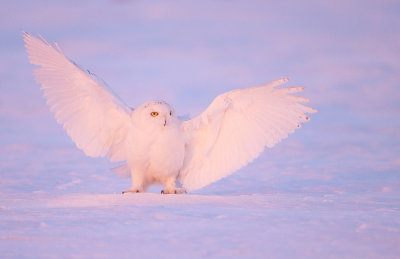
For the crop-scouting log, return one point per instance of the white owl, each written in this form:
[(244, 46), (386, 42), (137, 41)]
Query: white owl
[(154, 144)]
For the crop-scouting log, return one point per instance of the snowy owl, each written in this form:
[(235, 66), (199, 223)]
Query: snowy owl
[(155, 146)]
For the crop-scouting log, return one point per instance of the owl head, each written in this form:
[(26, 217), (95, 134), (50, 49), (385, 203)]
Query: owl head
[(155, 114)]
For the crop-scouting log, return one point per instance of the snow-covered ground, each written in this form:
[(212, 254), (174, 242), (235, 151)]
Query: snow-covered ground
[(331, 190)]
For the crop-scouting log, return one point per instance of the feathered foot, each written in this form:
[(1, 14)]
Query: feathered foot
[(131, 191)]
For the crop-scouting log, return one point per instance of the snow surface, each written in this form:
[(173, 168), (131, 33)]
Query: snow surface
[(331, 190)]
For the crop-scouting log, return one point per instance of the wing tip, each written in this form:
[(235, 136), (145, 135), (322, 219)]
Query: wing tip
[(281, 81), (285, 79), (26, 36), (277, 82), (312, 110)]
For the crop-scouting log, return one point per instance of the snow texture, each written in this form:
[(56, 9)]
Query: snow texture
[(331, 190)]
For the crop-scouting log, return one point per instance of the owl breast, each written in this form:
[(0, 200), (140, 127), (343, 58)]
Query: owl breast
[(167, 152), (158, 152)]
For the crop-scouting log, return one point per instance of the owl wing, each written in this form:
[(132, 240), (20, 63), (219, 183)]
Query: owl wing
[(236, 127), (95, 119)]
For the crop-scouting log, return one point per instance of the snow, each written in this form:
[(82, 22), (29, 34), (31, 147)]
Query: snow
[(331, 190)]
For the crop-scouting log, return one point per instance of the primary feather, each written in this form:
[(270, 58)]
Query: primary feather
[(95, 119)]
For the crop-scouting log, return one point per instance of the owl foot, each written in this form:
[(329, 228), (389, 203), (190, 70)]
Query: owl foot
[(131, 191), (174, 191)]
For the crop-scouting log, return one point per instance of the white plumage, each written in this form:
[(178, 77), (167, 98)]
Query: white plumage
[(154, 144)]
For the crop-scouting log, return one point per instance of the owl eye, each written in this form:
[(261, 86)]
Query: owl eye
[(154, 114), (170, 113)]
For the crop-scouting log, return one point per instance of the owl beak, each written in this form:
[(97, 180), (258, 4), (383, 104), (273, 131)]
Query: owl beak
[(165, 122)]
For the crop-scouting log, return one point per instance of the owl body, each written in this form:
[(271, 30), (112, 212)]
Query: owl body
[(156, 147)]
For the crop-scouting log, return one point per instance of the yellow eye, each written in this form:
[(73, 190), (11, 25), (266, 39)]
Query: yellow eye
[(154, 114)]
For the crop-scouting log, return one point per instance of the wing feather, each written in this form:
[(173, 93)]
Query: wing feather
[(235, 129), (95, 118)]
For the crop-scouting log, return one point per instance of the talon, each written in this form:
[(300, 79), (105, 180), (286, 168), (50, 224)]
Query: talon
[(132, 191), (176, 191)]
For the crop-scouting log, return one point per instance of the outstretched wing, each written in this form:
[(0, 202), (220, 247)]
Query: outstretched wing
[(235, 129), (95, 119)]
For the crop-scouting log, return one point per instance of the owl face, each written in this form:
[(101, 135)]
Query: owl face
[(156, 113)]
